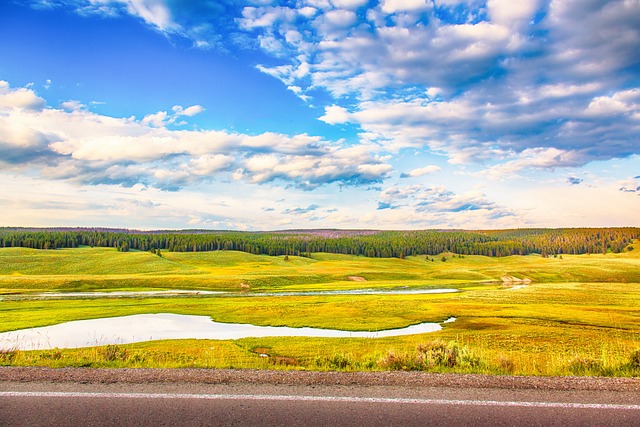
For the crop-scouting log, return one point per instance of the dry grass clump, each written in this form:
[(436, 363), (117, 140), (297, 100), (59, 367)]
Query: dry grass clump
[(7, 356), (114, 352), (634, 359), (506, 365), (434, 355), (583, 365)]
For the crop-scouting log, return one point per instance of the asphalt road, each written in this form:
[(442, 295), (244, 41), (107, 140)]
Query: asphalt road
[(39, 402)]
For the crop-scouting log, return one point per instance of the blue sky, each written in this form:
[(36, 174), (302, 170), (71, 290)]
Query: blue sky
[(261, 115)]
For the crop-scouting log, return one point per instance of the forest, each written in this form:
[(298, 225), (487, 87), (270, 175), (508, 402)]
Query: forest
[(369, 243)]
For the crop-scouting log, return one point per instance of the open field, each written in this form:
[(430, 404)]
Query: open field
[(579, 315)]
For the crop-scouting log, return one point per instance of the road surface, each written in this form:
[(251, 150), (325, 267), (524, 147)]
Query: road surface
[(241, 398)]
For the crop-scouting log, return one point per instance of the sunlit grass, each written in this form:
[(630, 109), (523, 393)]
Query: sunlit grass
[(579, 316)]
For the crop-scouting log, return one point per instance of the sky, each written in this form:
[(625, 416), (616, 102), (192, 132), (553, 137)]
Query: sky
[(271, 115)]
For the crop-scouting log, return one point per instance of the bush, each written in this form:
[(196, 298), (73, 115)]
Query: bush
[(582, 365), (114, 352), (506, 365), (339, 361), (55, 354), (7, 356), (396, 362), (634, 359), (446, 355), (432, 355)]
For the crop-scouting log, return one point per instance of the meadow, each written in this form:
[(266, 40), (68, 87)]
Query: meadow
[(524, 315)]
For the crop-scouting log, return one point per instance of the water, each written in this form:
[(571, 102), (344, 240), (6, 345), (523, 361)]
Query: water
[(148, 327), (112, 294), (409, 291), (175, 293)]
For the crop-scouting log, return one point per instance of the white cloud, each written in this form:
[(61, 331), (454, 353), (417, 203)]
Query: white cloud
[(622, 102), (475, 87), (162, 118), (348, 4), (89, 148), (20, 98), (510, 13), (538, 158), (335, 114), (394, 6), (307, 11), (427, 170), (158, 119), (189, 111), (154, 12), (340, 18), (71, 105)]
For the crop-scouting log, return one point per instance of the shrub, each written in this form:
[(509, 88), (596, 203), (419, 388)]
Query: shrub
[(8, 356), (114, 352), (505, 364), (339, 361), (432, 355), (583, 365), (446, 355), (634, 359), (396, 362), (55, 354)]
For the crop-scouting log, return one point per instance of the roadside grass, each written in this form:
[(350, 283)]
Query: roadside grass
[(436, 353), (579, 316)]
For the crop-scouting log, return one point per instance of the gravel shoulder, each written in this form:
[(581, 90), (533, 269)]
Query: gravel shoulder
[(310, 379)]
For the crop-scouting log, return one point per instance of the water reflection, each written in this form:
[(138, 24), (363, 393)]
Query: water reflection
[(148, 327), (177, 293), (403, 291)]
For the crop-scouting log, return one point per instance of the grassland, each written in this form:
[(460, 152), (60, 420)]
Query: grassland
[(579, 315)]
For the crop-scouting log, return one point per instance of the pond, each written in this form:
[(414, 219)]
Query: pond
[(149, 327)]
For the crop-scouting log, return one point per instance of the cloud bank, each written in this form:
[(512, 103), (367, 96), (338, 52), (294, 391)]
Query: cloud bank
[(89, 148)]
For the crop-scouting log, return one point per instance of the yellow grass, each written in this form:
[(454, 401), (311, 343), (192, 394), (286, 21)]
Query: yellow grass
[(579, 315)]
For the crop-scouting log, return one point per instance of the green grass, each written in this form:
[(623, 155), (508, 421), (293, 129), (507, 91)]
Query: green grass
[(28, 270), (580, 315)]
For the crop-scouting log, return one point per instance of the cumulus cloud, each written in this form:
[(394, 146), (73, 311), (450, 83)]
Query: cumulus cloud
[(189, 111), (79, 145), (19, 99), (438, 200), (427, 170), (510, 13), (394, 6), (474, 81), (537, 158), (509, 86), (162, 118), (348, 4)]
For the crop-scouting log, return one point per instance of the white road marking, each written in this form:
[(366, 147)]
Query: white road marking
[(351, 399)]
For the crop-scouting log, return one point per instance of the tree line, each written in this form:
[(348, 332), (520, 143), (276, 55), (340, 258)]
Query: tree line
[(379, 244)]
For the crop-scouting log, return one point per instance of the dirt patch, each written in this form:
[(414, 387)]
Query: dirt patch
[(357, 279), (262, 351), (284, 361)]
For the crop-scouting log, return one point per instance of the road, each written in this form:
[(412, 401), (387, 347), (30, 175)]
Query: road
[(289, 401)]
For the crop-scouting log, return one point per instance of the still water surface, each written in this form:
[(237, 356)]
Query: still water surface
[(148, 327), (181, 292)]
